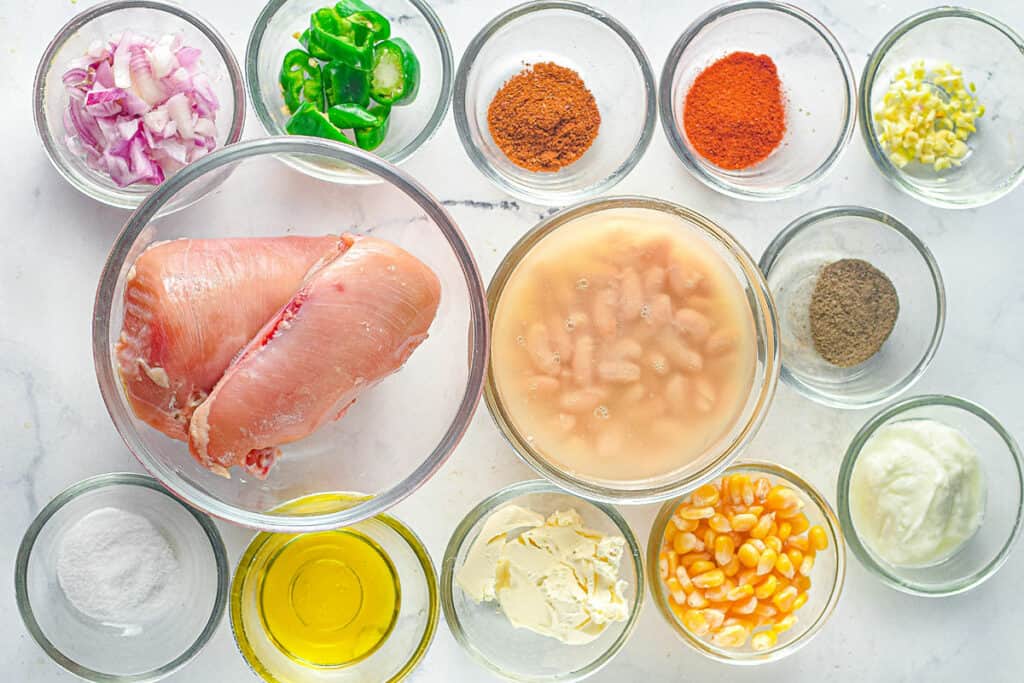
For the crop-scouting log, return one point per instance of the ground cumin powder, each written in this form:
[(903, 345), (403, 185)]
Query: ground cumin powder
[(544, 118)]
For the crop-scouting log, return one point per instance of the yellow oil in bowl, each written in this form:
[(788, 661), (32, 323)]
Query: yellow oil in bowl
[(329, 599)]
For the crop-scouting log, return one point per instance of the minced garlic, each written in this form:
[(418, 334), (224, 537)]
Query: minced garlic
[(927, 115)]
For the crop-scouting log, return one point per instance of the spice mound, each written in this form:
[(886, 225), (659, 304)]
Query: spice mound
[(557, 578), (544, 118), (734, 114), (853, 311), (736, 561), (115, 567)]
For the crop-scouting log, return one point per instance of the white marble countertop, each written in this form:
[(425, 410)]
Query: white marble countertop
[(56, 431)]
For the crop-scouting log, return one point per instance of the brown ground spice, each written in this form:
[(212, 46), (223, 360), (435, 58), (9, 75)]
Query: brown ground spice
[(544, 118), (853, 311)]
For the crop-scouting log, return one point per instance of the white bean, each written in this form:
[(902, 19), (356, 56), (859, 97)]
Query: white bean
[(604, 312), (632, 296), (676, 391), (660, 310), (694, 325), (560, 339), (538, 343), (580, 401), (654, 280), (683, 279), (634, 393), (627, 348), (704, 395), (682, 356), (618, 372), (543, 385), (583, 361), (565, 422), (610, 441), (721, 341)]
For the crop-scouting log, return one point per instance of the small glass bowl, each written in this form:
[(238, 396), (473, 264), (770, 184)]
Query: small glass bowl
[(818, 87), (518, 654), (123, 653), (827, 576), (376, 449), (1001, 461), (612, 65), (766, 370), (791, 264), (991, 55), (411, 125), (100, 22), (404, 646)]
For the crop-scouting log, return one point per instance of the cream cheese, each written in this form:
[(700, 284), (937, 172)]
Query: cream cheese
[(556, 578), (917, 492)]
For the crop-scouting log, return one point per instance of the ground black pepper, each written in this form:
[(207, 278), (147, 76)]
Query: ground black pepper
[(853, 311)]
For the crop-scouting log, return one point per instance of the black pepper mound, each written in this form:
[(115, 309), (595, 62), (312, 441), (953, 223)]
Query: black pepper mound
[(853, 311)]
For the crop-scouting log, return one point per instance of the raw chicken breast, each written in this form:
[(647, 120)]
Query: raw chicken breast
[(191, 305), (355, 321)]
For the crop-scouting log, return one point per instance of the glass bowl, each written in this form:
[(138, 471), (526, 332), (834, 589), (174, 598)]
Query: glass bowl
[(818, 88), (766, 371), (100, 22), (411, 125), (398, 434), (991, 55), (986, 551), (517, 654), (827, 575), (791, 264), (609, 60), (122, 653), (405, 644)]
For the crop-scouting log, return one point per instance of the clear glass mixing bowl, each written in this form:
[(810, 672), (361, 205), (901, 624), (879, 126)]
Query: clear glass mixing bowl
[(400, 432)]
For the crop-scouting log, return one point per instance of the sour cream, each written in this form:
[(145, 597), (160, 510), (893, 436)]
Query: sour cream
[(917, 493)]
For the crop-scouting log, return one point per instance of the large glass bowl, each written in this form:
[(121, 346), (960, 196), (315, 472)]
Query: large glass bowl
[(1002, 466), (398, 433), (101, 22), (991, 55), (612, 65), (720, 452), (827, 576), (411, 124), (818, 88), (518, 654)]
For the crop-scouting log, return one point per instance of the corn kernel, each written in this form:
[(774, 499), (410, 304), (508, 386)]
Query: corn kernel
[(818, 538), (795, 556), (800, 601), (705, 496), (807, 565), (758, 543), (784, 566), (745, 607), (699, 567), (802, 583), (719, 523), (800, 524), (709, 539), (748, 576), (765, 640), (743, 522), (731, 636), (676, 591), (739, 593), (690, 558), (767, 561), (781, 498), (765, 611), (684, 524), (774, 543), (733, 567), (784, 599), (724, 550), (737, 485), (766, 588), (763, 526), (784, 624), (748, 555), (684, 542), (696, 600), (714, 617), (709, 579), (695, 622), (761, 488), (799, 542), (697, 512)]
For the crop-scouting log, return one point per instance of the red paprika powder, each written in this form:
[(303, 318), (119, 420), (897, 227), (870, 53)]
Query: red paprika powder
[(734, 115)]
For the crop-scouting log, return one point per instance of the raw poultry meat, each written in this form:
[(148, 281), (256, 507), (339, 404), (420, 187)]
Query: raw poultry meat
[(190, 305), (353, 322)]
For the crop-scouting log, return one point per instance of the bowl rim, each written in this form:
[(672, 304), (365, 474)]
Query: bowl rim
[(68, 495), (242, 574), (113, 196), (756, 282), (468, 61), (670, 126), (837, 547), (252, 79), (460, 536), (479, 331), (867, 126), (866, 558), (812, 219)]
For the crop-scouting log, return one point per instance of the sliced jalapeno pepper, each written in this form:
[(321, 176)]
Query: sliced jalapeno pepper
[(351, 116), (344, 84), (358, 12), (371, 137), (339, 39), (396, 72), (310, 121), (301, 80)]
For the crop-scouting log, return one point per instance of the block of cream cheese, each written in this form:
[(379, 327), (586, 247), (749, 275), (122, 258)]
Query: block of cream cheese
[(555, 578)]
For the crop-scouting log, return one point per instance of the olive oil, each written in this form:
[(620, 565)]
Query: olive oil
[(330, 598)]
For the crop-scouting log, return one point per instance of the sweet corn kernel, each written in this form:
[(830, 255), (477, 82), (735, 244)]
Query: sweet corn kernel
[(695, 622), (748, 555), (800, 524), (719, 523), (697, 513), (684, 542), (765, 640), (733, 567), (745, 607), (784, 566), (799, 542), (818, 538), (743, 522), (714, 617), (758, 543), (739, 593), (763, 526), (696, 600), (784, 599), (676, 591), (699, 567), (807, 565), (710, 579), (705, 496), (765, 611), (761, 488), (737, 485), (708, 539), (748, 576), (724, 550), (766, 588), (731, 636), (774, 543), (684, 524), (781, 498), (767, 561), (795, 556)]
